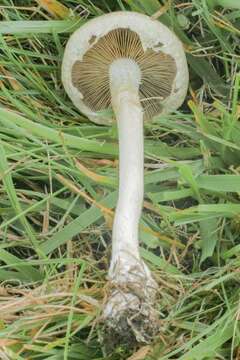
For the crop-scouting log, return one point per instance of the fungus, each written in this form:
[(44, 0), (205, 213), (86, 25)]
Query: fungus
[(135, 66)]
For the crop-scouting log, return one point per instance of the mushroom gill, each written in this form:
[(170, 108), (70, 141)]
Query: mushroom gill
[(91, 75)]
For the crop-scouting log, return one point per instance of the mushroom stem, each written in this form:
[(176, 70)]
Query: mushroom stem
[(125, 77), (129, 117), (129, 312)]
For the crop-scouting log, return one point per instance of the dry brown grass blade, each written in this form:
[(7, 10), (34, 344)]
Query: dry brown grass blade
[(90, 174), (8, 76), (55, 8), (8, 342), (140, 354), (75, 189)]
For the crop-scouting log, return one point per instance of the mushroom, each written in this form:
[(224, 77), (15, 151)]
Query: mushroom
[(135, 66)]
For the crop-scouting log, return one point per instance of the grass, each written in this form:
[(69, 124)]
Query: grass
[(58, 186)]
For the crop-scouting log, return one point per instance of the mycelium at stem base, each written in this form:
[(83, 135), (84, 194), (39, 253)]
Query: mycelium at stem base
[(129, 314)]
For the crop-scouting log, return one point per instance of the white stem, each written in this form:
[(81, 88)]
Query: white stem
[(124, 82), (130, 131), (129, 312)]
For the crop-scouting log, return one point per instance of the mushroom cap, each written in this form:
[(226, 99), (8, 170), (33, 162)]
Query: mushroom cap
[(93, 47)]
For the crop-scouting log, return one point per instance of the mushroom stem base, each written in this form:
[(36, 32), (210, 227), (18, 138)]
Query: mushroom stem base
[(129, 316)]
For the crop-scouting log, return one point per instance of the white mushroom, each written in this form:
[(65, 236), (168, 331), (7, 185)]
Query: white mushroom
[(136, 66)]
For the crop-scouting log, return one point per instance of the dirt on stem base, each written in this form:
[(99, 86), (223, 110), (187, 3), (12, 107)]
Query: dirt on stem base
[(130, 317)]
